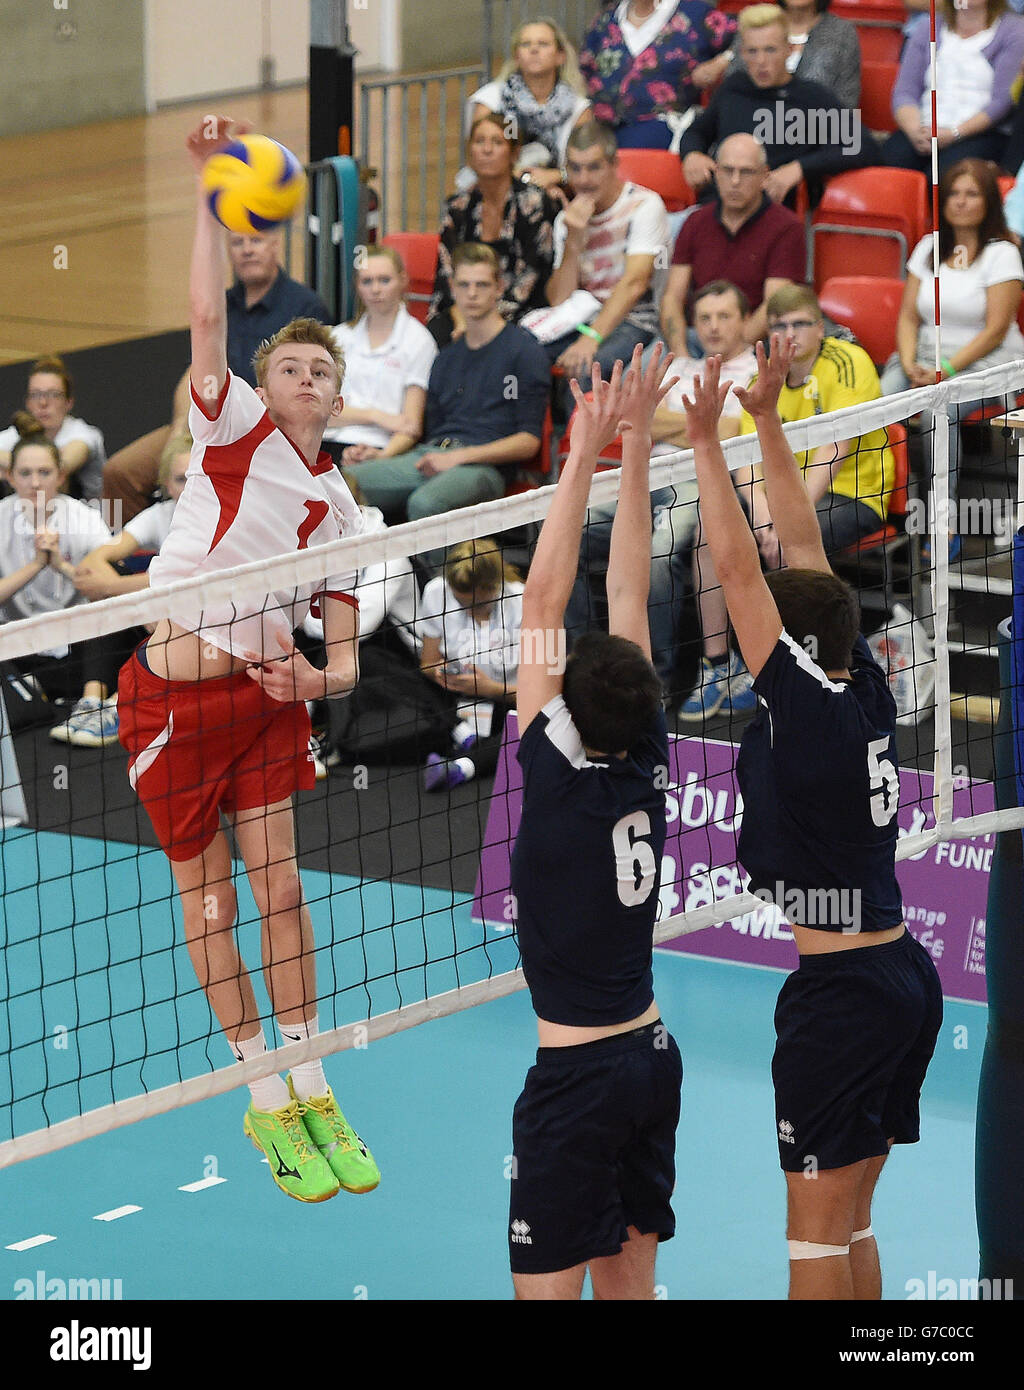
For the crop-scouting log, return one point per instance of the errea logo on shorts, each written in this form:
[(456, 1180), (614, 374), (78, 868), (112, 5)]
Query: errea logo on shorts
[(786, 1132), (521, 1233)]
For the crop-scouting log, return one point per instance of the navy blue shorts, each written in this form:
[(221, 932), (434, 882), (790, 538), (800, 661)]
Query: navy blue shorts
[(856, 1031), (594, 1142)]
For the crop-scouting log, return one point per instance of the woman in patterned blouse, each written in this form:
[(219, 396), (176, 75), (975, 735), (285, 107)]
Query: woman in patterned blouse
[(645, 63), (511, 215)]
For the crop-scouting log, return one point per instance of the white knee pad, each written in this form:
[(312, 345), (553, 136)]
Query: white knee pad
[(808, 1250)]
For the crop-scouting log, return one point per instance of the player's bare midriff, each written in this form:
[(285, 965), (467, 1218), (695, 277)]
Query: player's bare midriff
[(175, 654), (812, 942), (565, 1035)]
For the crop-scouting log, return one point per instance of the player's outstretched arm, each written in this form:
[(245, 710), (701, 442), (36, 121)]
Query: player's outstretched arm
[(629, 579), (553, 569), (752, 609), (792, 512), (207, 309)]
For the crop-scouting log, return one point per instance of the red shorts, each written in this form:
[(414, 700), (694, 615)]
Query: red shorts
[(197, 748)]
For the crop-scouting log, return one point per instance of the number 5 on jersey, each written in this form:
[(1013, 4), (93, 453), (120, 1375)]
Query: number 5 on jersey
[(885, 782)]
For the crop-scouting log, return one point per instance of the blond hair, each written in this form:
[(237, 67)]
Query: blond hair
[(298, 331), (791, 297), (761, 17), (371, 253), (473, 566), (569, 70), (178, 443)]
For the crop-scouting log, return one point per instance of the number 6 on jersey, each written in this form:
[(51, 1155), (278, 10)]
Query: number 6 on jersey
[(636, 868)]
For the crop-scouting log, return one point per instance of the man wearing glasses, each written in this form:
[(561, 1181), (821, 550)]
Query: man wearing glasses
[(849, 482), (49, 398), (742, 237)]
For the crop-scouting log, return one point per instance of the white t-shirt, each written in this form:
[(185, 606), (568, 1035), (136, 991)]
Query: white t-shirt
[(90, 475), (249, 495), (739, 370), (80, 528), (962, 299), (641, 36), (151, 527), (963, 78), (636, 224), (490, 96), (384, 590), (492, 646), (379, 377)]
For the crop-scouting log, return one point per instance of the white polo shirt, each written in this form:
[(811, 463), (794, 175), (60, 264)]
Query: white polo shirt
[(80, 528), (379, 377)]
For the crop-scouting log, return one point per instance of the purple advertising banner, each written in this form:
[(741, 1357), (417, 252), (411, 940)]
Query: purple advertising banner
[(945, 888)]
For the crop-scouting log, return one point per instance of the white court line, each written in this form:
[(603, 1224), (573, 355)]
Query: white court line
[(203, 1182), (116, 1214), (30, 1243)]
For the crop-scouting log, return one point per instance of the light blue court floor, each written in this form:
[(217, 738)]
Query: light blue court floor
[(435, 1103)]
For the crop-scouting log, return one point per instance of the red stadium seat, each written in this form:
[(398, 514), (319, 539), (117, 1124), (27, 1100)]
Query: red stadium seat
[(890, 12), (660, 171), (870, 306), (879, 43), (419, 252), (868, 222), (1006, 183), (872, 556), (877, 80)]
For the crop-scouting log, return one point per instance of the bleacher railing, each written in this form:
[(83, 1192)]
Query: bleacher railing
[(411, 131)]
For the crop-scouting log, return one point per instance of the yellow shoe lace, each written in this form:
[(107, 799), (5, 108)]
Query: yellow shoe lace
[(290, 1120), (326, 1107)]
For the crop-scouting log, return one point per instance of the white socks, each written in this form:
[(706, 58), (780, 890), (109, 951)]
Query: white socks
[(269, 1092), (308, 1078)]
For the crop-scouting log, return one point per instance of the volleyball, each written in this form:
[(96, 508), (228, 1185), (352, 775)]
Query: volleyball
[(253, 184)]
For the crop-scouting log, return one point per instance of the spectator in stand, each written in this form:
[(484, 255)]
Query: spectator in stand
[(980, 285), (646, 63), (979, 53), (539, 95), (97, 576), (719, 315), (742, 237), (608, 242), (805, 131), (477, 431), (263, 298), (44, 535), (261, 301), (822, 48), (511, 216), (388, 356), (469, 622), (49, 398), (848, 483)]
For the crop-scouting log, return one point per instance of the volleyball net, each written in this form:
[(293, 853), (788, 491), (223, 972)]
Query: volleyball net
[(102, 1019)]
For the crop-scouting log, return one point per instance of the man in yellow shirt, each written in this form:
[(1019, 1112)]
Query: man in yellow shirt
[(849, 482)]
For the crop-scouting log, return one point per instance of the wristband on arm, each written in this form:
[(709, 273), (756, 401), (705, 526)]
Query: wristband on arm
[(589, 332)]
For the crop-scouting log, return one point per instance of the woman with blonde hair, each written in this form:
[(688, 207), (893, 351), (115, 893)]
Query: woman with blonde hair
[(539, 93), (469, 621), (388, 356)]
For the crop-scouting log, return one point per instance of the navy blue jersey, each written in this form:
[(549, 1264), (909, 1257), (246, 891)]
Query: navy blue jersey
[(819, 776), (586, 867)]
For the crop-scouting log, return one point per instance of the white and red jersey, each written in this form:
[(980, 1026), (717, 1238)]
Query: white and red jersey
[(250, 495)]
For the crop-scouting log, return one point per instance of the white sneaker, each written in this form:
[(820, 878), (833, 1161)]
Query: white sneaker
[(85, 709), (96, 728), (319, 766)]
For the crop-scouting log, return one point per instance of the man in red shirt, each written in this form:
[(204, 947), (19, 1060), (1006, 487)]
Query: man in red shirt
[(743, 237)]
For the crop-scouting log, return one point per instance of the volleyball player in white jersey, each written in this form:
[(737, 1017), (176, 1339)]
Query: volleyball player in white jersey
[(214, 716)]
